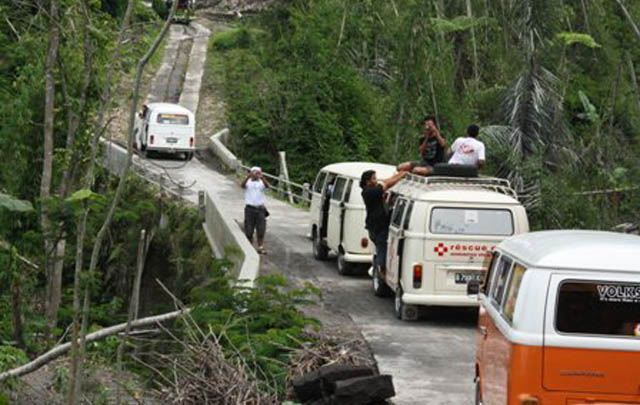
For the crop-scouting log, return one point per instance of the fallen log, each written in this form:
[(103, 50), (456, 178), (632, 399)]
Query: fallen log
[(92, 337)]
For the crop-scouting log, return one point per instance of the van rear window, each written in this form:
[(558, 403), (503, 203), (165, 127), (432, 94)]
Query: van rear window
[(173, 119), (463, 221), (598, 308)]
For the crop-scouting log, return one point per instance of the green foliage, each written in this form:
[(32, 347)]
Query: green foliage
[(460, 23), (258, 324), (570, 38), (12, 204), (160, 7), (241, 37), (11, 357)]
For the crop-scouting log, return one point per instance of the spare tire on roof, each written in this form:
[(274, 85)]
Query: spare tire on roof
[(451, 170)]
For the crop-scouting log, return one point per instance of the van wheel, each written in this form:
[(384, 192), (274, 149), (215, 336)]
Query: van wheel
[(403, 311), (320, 251), (344, 267), (478, 392), (380, 288), (188, 156)]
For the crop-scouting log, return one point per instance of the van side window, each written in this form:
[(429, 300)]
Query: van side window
[(407, 216), (396, 219), (338, 189), (497, 293), (347, 193), (317, 186), (598, 308), (512, 291), (491, 271)]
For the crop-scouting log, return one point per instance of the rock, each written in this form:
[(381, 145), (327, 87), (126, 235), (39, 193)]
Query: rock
[(320, 383), (363, 390), (308, 387), (336, 372)]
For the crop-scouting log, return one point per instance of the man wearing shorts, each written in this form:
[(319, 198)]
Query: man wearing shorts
[(254, 210), (432, 150)]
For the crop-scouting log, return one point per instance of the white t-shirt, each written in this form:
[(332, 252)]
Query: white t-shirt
[(254, 192), (467, 151)]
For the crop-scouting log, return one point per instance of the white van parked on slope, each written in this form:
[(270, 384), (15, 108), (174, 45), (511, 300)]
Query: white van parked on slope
[(442, 234), (338, 213), (166, 128)]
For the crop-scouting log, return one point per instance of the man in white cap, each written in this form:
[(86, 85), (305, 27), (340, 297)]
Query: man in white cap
[(254, 211)]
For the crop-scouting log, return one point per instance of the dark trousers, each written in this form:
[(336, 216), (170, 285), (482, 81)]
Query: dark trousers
[(254, 220), (380, 240)]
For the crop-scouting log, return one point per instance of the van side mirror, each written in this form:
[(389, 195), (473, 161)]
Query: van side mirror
[(473, 287)]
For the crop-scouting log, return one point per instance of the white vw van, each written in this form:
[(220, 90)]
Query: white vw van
[(166, 128), (338, 213), (442, 234)]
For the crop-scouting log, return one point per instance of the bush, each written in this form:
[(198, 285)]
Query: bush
[(160, 7)]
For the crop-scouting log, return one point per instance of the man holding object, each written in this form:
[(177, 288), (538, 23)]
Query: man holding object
[(432, 150), (255, 213)]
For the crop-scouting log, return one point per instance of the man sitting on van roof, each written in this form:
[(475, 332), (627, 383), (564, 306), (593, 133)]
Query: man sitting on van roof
[(432, 149), (467, 150), (377, 222)]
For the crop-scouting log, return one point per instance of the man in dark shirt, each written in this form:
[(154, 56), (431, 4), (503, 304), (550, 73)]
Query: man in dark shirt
[(432, 149), (377, 222)]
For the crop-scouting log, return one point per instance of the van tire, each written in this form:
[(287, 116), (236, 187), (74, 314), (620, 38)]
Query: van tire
[(446, 169), (478, 392), (403, 311), (380, 287), (344, 267), (320, 251), (188, 156)]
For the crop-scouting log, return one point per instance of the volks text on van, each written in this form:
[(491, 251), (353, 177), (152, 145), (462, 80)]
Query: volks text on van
[(619, 293)]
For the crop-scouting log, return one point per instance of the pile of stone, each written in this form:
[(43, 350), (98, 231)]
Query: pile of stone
[(340, 384)]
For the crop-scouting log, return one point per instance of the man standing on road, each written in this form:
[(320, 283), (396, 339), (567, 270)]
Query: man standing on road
[(255, 213), (377, 222), (432, 150), (467, 150)]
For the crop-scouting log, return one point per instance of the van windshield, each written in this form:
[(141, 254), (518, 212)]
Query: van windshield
[(471, 221), (173, 119), (599, 308)]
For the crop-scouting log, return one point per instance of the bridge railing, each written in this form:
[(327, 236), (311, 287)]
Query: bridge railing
[(292, 191)]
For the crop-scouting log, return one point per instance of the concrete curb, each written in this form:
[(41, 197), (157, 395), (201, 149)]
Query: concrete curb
[(217, 146), (227, 240), (190, 96)]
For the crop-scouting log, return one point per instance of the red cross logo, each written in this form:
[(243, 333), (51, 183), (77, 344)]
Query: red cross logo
[(441, 249)]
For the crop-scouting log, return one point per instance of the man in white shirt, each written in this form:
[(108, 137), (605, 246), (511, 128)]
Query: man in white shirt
[(467, 150), (255, 213)]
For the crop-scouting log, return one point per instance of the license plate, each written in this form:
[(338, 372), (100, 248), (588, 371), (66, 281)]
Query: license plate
[(172, 140), (463, 278)]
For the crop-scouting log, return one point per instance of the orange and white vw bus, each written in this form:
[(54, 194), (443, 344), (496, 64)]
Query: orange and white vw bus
[(560, 320)]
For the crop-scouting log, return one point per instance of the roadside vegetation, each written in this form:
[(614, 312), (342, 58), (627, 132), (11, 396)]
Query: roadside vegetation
[(554, 86)]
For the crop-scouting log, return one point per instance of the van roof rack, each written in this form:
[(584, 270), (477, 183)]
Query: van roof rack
[(430, 183)]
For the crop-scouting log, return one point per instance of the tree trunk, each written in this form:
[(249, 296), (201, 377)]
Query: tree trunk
[(476, 75), (58, 351), (47, 165)]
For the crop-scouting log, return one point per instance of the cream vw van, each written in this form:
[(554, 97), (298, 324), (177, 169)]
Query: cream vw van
[(166, 128), (338, 213), (442, 233), (560, 320)]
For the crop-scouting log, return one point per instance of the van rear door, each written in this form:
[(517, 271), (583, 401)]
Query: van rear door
[(591, 335), (173, 131), (461, 241)]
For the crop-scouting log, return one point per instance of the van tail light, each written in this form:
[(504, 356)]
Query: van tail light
[(526, 399), (191, 142), (364, 242), (417, 275), (151, 139)]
